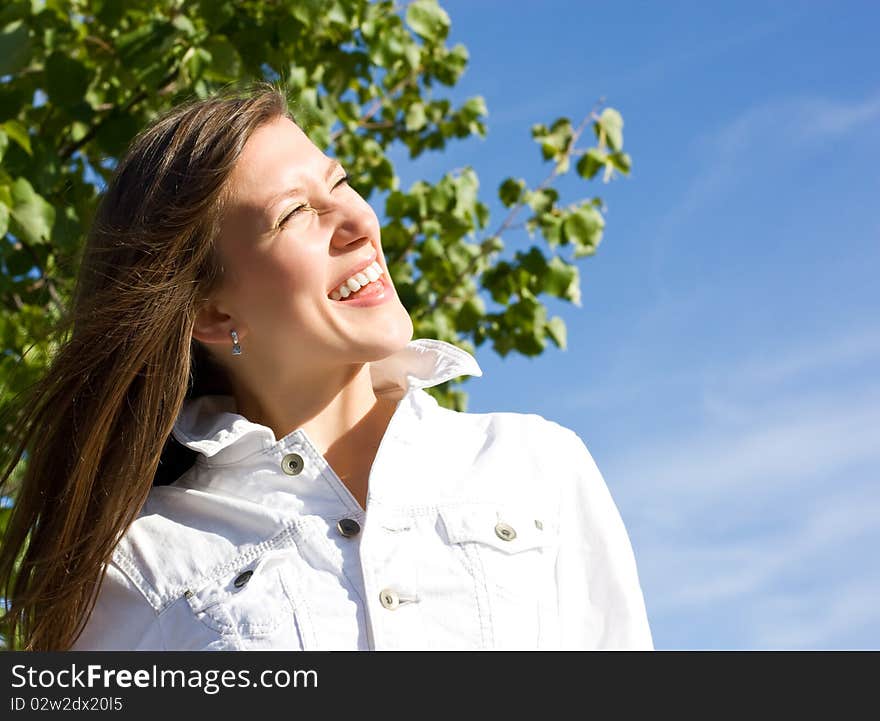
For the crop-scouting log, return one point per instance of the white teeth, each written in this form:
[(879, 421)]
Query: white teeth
[(368, 275)]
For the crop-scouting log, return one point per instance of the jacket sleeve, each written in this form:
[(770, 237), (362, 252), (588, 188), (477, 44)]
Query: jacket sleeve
[(601, 606), (122, 619)]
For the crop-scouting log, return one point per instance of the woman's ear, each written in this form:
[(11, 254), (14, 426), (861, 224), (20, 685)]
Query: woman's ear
[(213, 326)]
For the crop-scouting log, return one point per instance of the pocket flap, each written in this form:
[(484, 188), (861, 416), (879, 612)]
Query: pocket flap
[(510, 529), (247, 579)]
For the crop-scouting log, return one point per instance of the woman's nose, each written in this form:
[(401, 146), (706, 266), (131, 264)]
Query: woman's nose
[(352, 221)]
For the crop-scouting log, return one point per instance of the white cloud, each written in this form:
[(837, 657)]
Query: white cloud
[(842, 617), (788, 121), (762, 420), (758, 371), (746, 568), (825, 119), (768, 133), (761, 510), (790, 361), (779, 444)]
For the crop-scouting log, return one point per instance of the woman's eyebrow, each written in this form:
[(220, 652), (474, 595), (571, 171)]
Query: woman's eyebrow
[(334, 165)]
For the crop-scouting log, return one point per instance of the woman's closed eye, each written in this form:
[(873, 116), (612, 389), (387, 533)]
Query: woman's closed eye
[(292, 213), (305, 206)]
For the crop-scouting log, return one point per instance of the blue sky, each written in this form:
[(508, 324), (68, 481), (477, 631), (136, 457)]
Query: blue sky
[(723, 369)]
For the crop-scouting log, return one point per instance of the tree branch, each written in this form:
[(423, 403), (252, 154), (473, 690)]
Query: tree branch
[(101, 43), (379, 102), (43, 279), (69, 150), (507, 224)]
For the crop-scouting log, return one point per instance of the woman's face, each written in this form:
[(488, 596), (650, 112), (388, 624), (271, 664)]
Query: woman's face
[(292, 233)]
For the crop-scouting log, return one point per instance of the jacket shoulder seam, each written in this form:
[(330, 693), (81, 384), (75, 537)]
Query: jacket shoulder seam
[(127, 566), (160, 602)]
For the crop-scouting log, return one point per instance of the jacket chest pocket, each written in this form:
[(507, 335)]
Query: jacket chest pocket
[(510, 552), (249, 606)]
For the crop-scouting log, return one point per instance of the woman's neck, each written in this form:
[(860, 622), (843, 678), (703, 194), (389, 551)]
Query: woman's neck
[(343, 417)]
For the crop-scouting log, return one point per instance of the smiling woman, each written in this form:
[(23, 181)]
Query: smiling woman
[(235, 449), (276, 296)]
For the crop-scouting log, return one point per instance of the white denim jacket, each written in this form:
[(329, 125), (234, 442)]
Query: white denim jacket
[(482, 531)]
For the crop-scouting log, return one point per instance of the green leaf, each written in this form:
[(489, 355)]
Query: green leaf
[(441, 196), (15, 48), (466, 187), (399, 204), (511, 191), (184, 24), (5, 513), (413, 54), (19, 133), (541, 200), (432, 248), (557, 331), (138, 47), (34, 217), (492, 244), (110, 12), (116, 131), (470, 313), (428, 19), (217, 13), (475, 106), (550, 224), (4, 219), (18, 261), (621, 161), (415, 117), (67, 79), (538, 130), (194, 62), (225, 63), (591, 163), (297, 77), (555, 141), (611, 124), (583, 228), (563, 280), (308, 12)]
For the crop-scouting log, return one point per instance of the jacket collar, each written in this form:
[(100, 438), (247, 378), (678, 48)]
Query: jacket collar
[(211, 424)]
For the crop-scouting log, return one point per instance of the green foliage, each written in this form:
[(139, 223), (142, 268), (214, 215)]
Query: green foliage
[(81, 77)]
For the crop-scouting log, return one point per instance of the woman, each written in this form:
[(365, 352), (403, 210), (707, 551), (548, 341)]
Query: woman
[(239, 387)]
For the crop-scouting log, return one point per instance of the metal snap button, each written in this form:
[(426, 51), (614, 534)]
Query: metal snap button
[(389, 599), (242, 579), (348, 527), (505, 532), (292, 464)]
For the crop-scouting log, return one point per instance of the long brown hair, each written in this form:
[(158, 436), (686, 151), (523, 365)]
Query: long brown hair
[(94, 427)]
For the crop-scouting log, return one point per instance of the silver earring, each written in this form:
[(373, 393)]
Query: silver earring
[(236, 348)]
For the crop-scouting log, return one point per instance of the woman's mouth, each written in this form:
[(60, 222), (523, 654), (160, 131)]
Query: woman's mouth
[(373, 288), (359, 285)]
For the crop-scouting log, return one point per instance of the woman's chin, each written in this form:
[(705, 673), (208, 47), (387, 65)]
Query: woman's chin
[(387, 335)]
